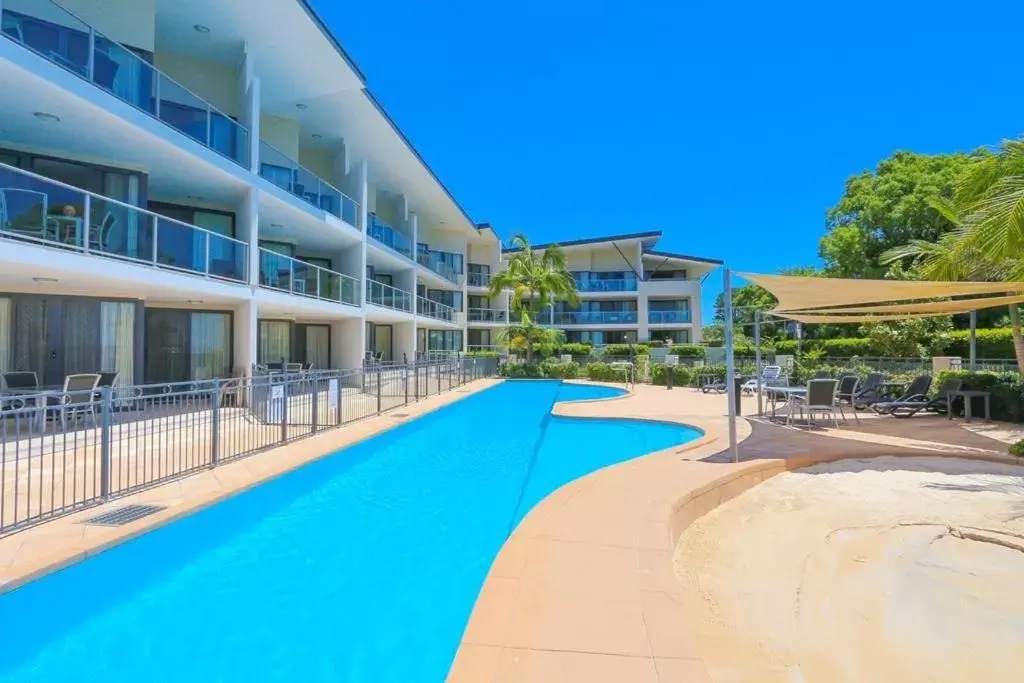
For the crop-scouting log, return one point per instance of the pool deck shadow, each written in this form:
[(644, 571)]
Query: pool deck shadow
[(584, 590)]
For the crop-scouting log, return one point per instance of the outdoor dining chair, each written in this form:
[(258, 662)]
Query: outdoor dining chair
[(821, 398), (78, 398), (845, 393)]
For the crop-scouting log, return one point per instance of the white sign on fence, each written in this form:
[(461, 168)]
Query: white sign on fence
[(566, 357), (672, 360), (332, 394), (275, 406)]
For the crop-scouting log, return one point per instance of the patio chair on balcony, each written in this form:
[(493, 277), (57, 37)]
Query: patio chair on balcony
[(20, 381), (77, 399), (99, 235), (916, 392)]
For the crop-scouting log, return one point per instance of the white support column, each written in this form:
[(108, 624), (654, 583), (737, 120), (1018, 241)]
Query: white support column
[(363, 181), (247, 230), (414, 221), (245, 337), (973, 351), (249, 96), (640, 260)]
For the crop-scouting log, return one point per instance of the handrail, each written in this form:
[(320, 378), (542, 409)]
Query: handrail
[(609, 285), (666, 317), (400, 242), (89, 197), (595, 317), (297, 166), (486, 315), (388, 296), (479, 279), (433, 264), (434, 309), (90, 75), (344, 294)]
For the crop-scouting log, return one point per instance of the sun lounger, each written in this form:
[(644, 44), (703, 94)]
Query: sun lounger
[(916, 393), (936, 404)]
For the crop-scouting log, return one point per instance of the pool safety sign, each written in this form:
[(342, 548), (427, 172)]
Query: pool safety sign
[(332, 394), (275, 406)]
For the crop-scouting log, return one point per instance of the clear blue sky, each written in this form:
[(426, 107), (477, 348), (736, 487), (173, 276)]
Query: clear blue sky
[(729, 126)]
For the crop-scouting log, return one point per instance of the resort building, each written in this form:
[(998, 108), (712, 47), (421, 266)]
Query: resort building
[(188, 189), (630, 292)]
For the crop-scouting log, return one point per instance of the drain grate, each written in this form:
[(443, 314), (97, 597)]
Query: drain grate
[(124, 515), (398, 415)]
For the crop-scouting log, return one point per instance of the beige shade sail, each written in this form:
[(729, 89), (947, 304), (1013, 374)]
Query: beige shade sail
[(802, 318), (798, 294), (930, 307)]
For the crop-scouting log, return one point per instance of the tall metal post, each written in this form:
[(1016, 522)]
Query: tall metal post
[(105, 436), (730, 366), (974, 342), (757, 359), (215, 423)]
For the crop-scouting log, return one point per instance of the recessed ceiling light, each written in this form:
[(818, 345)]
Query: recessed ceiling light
[(300, 105), (317, 136), (46, 116), (201, 29), (44, 279)]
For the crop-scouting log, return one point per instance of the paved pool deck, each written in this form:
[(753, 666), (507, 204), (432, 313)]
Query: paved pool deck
[(584, 589)]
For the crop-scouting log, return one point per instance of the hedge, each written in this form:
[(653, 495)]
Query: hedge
[(1007, 391), (623, 349), (556, 370), (602, 372), (576, 349), (482, 354), (521, 371), (688, 351), (993, 343)]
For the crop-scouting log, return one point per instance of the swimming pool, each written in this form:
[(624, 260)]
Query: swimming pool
[(362, 566)]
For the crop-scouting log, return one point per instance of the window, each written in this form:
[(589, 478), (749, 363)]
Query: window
[(275, 341), (442, 296), (187, 345)]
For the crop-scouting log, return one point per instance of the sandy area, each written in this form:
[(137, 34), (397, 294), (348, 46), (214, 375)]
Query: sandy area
[(905, 570)]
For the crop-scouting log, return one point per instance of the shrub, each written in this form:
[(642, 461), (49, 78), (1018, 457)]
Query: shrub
[(576, 349), (623, 349), (992, 343), (602, 372), (521, 371), (1017, 449), (688, 351), (557, 370), (1007, 389), (482, 354)]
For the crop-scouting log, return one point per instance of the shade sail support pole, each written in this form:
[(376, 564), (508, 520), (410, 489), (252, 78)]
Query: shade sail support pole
[(730, 366)]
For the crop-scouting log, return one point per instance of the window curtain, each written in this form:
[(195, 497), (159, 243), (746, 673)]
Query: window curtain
[(117, 344), (210, 345), (80, 338), (275, 341), (5, 335), (318, 347)]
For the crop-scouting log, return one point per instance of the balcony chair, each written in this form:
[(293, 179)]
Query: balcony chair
[(23, 381), (77, 398)]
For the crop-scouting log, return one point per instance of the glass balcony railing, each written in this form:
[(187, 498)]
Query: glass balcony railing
[(287, 274), (485, 315), (297, 180), (381, 294), (433, 309), (434, 263), (667, 317), (381, 232), (478, 279), (595, 317), (610, 285), (59, 36), (46, 212)]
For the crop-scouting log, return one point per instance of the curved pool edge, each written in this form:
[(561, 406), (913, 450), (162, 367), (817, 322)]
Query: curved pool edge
[(35, 552), (599, 551)]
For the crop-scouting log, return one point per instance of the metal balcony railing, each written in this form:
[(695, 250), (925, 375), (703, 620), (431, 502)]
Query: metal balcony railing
[(381, 294), (297, 180), (595, 318), (433, 309), (53, 214), (59, 36), (613, 285), (485, 315), (667, 317), (383, 233), (287, 274), (478, 279), (435, 264)]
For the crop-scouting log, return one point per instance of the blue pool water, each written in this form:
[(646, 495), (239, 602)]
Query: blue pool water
[(361, 567)]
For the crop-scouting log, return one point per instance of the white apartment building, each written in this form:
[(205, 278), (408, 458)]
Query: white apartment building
[(629, 291), (189, 188)]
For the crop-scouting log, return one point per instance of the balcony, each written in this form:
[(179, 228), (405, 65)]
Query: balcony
[(383, 233), (478, 279), (70, 43), (297, 180), (286, 274), (433, 309), (485, 315), (611, 285), (668, 317), (37, 210), (595, 318), (380, 294), (434, 263)]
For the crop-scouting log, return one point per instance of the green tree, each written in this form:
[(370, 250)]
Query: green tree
[(987, 208), (887, 208), (536, 280)]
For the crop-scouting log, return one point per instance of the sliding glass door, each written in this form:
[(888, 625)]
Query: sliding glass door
[(187, 345)]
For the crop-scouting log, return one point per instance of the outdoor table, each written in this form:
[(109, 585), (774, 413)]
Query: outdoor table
[(967, 395), (788, 392)]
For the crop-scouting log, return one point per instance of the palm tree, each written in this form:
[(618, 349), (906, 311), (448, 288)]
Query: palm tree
[(987, 244), (536, 280)]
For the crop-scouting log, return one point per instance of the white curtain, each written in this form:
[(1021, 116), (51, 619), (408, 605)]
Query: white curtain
[(5, 335), (117, 343), (275, 341)]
